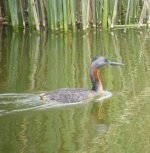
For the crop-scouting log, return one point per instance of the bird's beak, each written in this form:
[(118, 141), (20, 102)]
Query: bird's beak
[(115, 63)]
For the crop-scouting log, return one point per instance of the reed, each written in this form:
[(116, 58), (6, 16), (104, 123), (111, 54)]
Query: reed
[(19, 12), (72, 11), (1, 11), (105, 10), (88, 17), (5, 12), (94, 9), (114, 13), (148, 6), (53, 11), (65, 12), (60, 14), (31, 22), (43, 12), (75, 14), (84, 14), (13, 13), (22, 12), (34, 7), (127, 14), (143, 12), (47, 9)]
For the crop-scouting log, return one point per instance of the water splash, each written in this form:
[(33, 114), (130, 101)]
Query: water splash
[(19, 102), (105, 95)]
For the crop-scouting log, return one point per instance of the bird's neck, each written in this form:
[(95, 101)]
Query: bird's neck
[(96, 83)]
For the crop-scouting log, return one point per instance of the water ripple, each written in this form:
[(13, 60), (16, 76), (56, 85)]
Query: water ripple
[(19, 102)]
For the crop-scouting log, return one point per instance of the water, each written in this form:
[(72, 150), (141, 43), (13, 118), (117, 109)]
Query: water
[(117, 122)]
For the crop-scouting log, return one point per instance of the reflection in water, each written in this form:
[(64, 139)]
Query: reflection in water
[(63, 129), (32, 63), (36, 62)]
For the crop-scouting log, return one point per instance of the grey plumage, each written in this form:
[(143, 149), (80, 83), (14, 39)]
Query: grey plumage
[(72, 95), (69, 95)]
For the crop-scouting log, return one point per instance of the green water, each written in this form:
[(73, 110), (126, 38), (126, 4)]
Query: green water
[(32, 63)]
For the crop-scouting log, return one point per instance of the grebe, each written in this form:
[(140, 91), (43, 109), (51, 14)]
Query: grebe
[(72, 95)]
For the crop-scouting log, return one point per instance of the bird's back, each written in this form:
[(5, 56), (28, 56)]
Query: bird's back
[(68, 95)]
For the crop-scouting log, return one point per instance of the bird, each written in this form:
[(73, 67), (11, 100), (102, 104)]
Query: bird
[(74, 95)]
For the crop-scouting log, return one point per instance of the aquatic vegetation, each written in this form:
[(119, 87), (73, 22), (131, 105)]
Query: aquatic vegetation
[(68, 14)]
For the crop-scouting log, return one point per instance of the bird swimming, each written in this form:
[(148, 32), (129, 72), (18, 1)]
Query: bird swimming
[(72, 95)]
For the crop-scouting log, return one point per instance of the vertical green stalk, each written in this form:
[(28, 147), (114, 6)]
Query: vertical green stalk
[(111, 6), (136, 9), (48, 8), (1, 11), (128, 11), (100, 12), (22, 12), (43, 11), (105, 12), (131, 13), (35, 14), (38, 10), (60, 13), (52, 14), (13, 12), (30, 16), (94, 13), (72, 10), (84, 14), (65, 13), (114, 13), (120, 11), (19, 12), (7, 11), (88, 13), (148, 10), (97, 11), (55, 14), (78, 11)]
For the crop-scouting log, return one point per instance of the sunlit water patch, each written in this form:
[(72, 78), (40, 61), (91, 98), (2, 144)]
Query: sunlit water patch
[(15, 102)]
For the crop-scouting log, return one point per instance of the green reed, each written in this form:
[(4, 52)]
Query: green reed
[(85, 14), (65, 14), (13, 12), (72, 11)]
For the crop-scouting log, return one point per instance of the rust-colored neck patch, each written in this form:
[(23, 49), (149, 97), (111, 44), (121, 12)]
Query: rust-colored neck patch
[(96, 75), (98, 84)]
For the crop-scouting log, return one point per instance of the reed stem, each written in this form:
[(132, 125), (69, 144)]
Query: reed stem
[(128, 11), (33, 5), (114, 13), (94, 13), (13, 13), (142, 14), (105, 10), (84, 14), (43, 9), (72, 10), (63, 14)]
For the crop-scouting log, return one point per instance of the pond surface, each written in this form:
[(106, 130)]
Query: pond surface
[(32, 63)]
